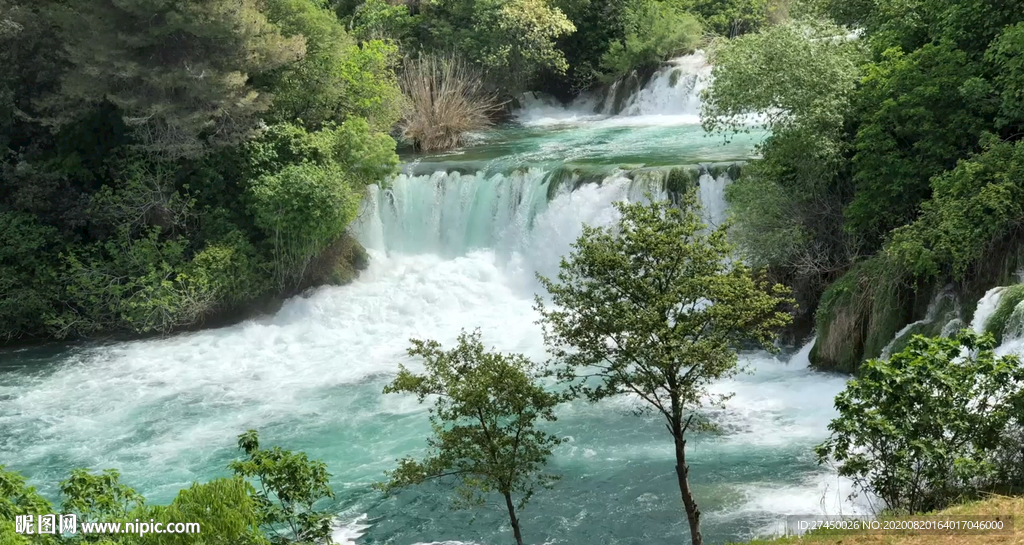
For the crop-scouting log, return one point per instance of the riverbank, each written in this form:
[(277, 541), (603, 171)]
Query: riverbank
[(997, 506)]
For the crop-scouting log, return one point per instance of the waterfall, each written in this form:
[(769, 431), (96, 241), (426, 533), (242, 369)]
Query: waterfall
[(987, 306), (712, 198), (673, 90), (941, 318), (670, 96), (529, 216)]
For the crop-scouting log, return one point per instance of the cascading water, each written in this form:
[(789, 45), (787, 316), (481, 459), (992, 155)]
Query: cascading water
[(670, 97), (455, 243), (673, 90)]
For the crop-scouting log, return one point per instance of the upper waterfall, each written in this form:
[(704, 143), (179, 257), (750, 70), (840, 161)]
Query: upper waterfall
[(669, 96)]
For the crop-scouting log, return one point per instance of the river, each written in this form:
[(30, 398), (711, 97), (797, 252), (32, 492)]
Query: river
[(455, 242)]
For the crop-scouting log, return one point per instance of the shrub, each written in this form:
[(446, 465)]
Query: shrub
[(230, 270), (28, 271), (302, 209), (924, 428), (126, 284), (289, 486), (446, 100), (654, 31)]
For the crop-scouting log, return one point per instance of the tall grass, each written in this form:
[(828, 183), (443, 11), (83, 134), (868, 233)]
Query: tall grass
[(446, 99)]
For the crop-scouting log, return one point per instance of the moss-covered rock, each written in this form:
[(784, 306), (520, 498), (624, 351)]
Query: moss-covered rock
[(859, 315), (1007, 319), (350, 260)]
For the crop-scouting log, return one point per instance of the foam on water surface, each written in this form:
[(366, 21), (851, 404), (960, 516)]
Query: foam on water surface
[(451, 250)]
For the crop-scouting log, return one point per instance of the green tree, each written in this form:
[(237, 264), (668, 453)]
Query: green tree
[(654, 307), (28, 284), (485, 419), (224, 509), (653, 32), (288, 487), (919, 429), (511, 41), (99, 497), (799, 80), (179, 71), (911, 129), (732, 17), (337, 78), (302, 209), (17, 498)]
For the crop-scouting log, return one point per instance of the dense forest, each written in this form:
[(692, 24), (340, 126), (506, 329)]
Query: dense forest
[(171, 163), (895, 168)]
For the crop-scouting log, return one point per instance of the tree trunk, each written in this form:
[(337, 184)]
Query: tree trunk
[(512, 518), (682, 473)]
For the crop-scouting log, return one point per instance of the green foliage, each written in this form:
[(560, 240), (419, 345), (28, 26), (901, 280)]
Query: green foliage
[(800, 79), (130, 285), (99, 497), (915, 124), (908, 151), (634, 302), (178, 73), (230, 269), (337, 78), (653, 31), (918, 430), (368, 157), (485, 416), (28, 285), (131, 156), (288, 487), (731, 17), (302, 209), (798, 75), (379, 20), (973, 206), (225, 510), (511, 41), (1009, 300), (1005, 56), (17, 498), (654, 307)]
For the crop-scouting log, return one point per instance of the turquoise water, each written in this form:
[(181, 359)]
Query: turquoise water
[(455, 243)]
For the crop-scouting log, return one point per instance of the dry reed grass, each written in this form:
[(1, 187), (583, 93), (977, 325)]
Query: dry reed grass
[(446, 99)]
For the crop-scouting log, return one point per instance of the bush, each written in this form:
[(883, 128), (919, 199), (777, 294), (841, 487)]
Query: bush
[(509, 41), (368, 157), (28, 274), (654, 31), (974, 206), (379, 20), (126, 284), (446, 100), (229, 269), (925, 428), (301, 209)]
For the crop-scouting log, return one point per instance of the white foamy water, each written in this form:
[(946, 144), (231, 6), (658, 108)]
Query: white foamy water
[(166, 412), (987, 306), (670, 98), (450, 251)]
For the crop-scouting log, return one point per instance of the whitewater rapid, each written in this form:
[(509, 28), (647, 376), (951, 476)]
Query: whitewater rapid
[(453, 249)]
